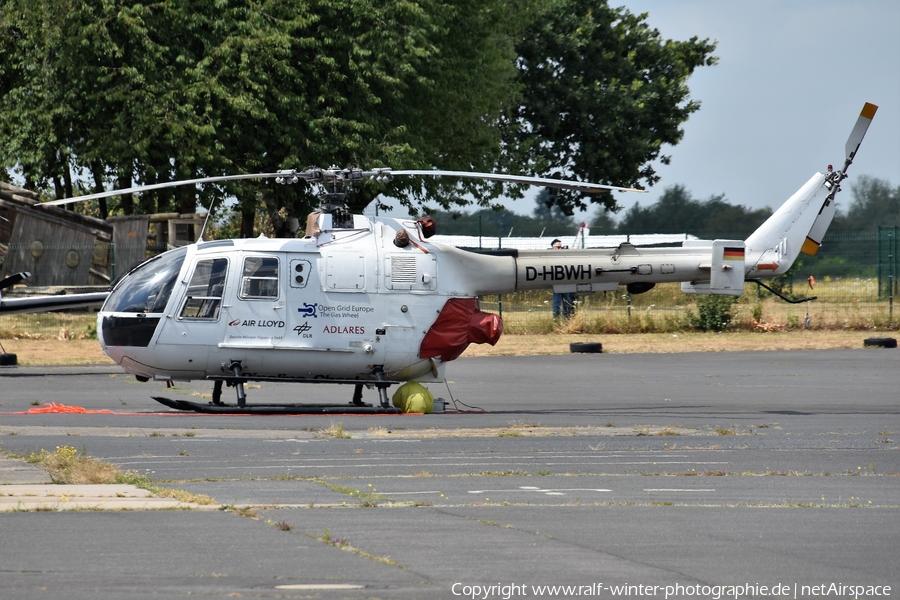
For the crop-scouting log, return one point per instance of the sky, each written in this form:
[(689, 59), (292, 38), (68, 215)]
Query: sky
[(791, 80)]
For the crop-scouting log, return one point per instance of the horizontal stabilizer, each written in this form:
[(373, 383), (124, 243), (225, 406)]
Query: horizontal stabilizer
[(726, 270), (726, 274)]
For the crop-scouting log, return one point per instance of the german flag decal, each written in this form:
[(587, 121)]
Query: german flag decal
[(734, 253)]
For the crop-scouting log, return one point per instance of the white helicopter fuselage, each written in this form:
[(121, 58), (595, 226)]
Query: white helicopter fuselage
[(364, 300), (350, 305)]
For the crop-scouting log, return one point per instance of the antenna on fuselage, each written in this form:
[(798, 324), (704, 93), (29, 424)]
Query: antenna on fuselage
[(206, 220)]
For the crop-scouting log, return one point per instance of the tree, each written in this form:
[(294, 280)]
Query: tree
[(146, 92), (602, 223), (546, 211), (672, 213), (874, 204), (601, 93), (501, 222), (546, 219), (120, 93), (104, 90), (377, 83), (677, 212)]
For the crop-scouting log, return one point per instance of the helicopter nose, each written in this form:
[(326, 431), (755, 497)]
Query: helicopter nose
[(100, 331), (131, 330)]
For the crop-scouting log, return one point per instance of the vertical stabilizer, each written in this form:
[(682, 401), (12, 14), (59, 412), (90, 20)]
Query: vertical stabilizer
[(800, 223)]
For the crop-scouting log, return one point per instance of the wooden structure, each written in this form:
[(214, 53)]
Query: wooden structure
[(64, 248), (170, 230), (58, 246)]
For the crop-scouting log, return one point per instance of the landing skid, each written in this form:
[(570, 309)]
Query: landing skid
[(277, 409), (237, 380)]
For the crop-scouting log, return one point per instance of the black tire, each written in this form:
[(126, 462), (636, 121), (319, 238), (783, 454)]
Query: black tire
[(880, 342), (586, 347), (8, 360)]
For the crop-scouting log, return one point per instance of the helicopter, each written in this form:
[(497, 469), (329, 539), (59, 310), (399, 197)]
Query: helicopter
[(371, 302)]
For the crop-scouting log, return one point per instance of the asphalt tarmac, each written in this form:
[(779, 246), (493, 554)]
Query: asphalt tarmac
[(705, 475)]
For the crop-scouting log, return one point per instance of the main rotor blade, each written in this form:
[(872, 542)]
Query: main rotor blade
[(158, 186), (858, 133), (321, 175), (590, 188)]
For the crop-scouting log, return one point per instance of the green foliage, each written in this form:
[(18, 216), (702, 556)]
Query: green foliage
[(496, 223), (125, 93), (602, 222), (677, 212), (147, 92), (546, 220), (601, 93), (713, 312), (757, 312), (548, 212), (842, 266), (875, 203)]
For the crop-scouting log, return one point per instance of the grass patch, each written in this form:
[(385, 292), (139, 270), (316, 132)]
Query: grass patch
[(508, 474), (523, 425), (666, 431), (69, 466), (344, 544), (244, 511), (364, 496), (66, 465), (335, 430), (280, 525)]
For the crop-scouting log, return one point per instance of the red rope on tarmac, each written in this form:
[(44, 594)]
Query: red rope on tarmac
[(54, 407), (57, 408)]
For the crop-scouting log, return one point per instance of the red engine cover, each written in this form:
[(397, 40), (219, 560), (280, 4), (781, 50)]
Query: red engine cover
[(460, 324)]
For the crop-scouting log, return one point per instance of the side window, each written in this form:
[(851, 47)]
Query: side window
[(204, 296), (260, 277)]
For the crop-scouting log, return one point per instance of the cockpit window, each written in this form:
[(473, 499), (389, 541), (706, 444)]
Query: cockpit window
[(260, 277), (205, 290), (147, 288)]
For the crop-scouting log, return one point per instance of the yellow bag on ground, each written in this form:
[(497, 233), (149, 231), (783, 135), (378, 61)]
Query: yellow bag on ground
[(413, 397)]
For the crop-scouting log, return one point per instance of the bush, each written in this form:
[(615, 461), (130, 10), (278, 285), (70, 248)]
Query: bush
[(713, 312)]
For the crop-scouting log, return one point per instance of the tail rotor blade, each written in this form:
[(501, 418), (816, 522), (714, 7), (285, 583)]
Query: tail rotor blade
[(829, 208), (858, 133)]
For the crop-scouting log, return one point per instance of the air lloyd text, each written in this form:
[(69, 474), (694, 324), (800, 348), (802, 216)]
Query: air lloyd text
[(255, 323)]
